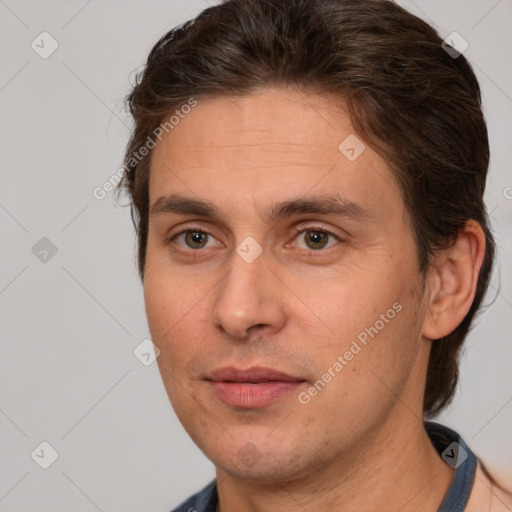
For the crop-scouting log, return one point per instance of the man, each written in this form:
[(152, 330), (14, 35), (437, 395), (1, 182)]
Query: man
[(307, 181)]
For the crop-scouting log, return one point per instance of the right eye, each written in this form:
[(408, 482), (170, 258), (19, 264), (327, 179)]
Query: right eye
[(194, 239)]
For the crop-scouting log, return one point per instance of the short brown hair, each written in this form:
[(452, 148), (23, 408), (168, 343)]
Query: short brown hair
[(412, 102)]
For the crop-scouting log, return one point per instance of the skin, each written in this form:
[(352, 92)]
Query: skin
[(359, 444)]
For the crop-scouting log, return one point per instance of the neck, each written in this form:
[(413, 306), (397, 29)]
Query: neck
[(396, 469)]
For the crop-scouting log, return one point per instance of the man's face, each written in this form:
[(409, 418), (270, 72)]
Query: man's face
[(303, 263)]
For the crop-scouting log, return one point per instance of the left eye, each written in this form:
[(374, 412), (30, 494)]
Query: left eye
[(316, 239)]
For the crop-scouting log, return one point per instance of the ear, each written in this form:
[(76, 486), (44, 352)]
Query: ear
[(452, 282)]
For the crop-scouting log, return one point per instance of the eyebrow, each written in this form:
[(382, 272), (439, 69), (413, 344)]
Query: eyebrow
[(325, 204)]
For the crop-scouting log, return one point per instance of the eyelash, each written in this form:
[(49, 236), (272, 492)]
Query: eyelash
[(298, 231)]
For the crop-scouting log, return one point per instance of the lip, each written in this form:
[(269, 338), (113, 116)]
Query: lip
[(254, 374), (253, 387)]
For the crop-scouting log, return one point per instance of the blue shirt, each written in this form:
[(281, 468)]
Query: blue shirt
[(460, 457)]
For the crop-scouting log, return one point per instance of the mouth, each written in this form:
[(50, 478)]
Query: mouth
[(254, 387)]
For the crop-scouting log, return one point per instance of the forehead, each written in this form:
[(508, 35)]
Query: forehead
[(263, 147)]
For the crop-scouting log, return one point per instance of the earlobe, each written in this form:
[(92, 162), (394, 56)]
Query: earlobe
[(453, 280)]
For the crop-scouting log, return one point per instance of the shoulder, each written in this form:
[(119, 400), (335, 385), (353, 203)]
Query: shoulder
[(203, 501), (489, 493)]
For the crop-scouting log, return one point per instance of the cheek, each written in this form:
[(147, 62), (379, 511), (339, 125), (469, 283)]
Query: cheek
[(370, 376), (177, 315), (375, 323), (160, 307), (344, 306), (164, 309), (168, 296), (172, 324)]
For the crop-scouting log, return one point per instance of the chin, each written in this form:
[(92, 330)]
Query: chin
[(248, 462)]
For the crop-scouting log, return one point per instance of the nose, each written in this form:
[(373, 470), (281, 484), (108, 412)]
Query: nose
[(248, 300)]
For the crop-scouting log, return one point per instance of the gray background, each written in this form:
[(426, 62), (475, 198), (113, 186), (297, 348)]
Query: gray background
[(69, 324)]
